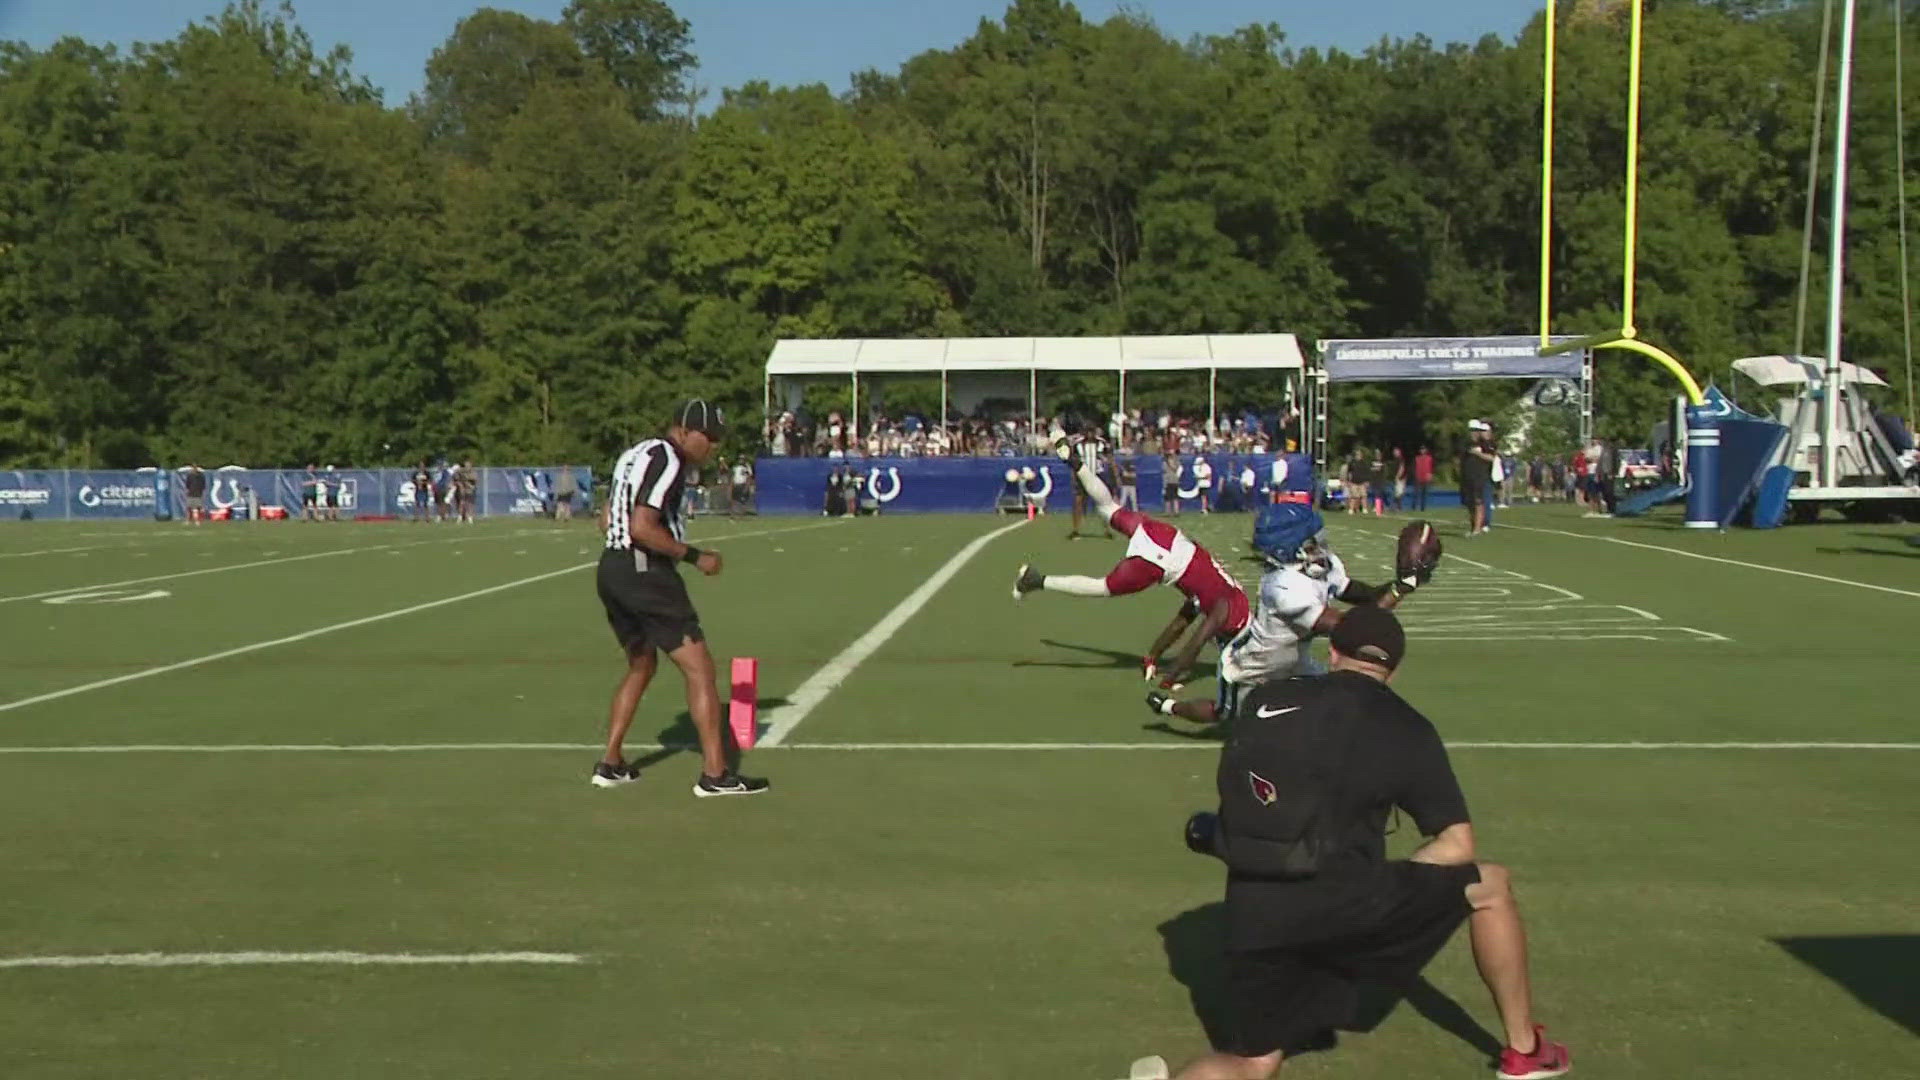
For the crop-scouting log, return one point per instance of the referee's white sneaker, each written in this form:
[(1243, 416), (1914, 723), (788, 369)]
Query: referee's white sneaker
[(1149, 1068), (728, 783), (605, 775)]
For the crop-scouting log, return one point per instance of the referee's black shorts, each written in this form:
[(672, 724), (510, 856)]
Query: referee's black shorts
[(1390, 926), (646, 608)]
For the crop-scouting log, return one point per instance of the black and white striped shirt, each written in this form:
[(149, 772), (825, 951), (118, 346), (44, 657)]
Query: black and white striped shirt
[(1091, 452), (650, 473)]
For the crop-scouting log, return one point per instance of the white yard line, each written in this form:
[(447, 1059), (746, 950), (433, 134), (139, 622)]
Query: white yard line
[(516, 534), (1193, 744), (1186, 744), (145, 673), (1449, 591), (782, 719), (1718, 559), (308, 748), (250, 959), (306, 635), (249, 565), (53, 551)]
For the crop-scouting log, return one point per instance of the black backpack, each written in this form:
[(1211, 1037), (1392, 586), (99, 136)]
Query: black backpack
[(1280, 779)]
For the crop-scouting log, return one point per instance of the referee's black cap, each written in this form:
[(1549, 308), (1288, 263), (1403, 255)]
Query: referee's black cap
[(701, 415), (1370, 634)]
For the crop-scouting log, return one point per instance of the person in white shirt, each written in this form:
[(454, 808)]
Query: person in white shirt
[(1203, 480), (742, 498)]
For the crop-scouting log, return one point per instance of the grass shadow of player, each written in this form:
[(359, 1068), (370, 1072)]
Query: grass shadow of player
[(1861, 549), (1113, 657), (682, 737), (1877, 969), (1195, 944), (1208, 733)]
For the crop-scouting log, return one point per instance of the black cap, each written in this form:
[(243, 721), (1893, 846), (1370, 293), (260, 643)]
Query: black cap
[(1371, 635), (698, 414)]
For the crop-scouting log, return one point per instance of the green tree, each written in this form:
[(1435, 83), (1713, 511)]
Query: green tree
[(642, 46)]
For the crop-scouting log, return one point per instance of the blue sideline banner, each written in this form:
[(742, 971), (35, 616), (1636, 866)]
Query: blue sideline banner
[(76, 494), (964, 485), (785, 486), (1431, 359), (112, 494), (529, 491), (33, 493)]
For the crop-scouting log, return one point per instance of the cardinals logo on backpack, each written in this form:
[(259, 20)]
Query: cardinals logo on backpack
[(1263, 788)]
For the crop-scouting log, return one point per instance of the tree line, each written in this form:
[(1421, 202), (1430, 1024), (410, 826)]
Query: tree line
[(228, 247)]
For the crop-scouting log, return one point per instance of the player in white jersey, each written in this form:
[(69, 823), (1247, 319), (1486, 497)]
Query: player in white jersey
[(1295, 605)]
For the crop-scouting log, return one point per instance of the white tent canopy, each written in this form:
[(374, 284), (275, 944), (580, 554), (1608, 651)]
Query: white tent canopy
[(1199, 352), (850, 358), (1800, 371)]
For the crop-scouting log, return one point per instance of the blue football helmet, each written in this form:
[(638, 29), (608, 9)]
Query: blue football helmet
[(1288, 533)]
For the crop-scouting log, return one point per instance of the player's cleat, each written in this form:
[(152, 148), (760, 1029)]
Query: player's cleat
[(1028, 581), (1160, 703), (1149, 1068), (1170, 686), (728, 783), (1548, 1059), (605, 775), (1149, 669)]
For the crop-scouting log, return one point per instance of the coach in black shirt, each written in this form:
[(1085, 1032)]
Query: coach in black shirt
[(1309, 775)]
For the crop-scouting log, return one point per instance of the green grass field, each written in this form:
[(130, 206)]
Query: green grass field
[(915, 898)]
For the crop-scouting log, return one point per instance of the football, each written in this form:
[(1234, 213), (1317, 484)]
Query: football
[(1417, 552)]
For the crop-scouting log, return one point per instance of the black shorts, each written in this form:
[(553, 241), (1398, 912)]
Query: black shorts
[(1470, 496), (646, 608), (1288, 998)]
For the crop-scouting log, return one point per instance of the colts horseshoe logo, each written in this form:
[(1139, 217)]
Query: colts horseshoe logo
[(873, 484), (213, 494), (1045, 476)]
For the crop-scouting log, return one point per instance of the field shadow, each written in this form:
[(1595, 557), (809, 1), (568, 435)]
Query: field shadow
[(1861, 549), (1209, 733), (681, 737), (1195, 944), (1877, 969), (1111, 658)]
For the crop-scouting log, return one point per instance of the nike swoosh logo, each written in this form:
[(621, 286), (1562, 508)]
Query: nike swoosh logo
[(1263, 712)]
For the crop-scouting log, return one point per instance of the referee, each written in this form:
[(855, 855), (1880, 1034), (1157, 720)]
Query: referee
[(1308, 777), (647, 603), (1088, 448)]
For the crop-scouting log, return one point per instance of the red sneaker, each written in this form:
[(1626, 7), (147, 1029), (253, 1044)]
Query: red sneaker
[(1547, 1059)]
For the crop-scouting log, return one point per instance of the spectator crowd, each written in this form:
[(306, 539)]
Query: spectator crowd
[(1133, 432)]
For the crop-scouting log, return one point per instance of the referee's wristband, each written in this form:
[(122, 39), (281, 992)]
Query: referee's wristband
[(691, 555)]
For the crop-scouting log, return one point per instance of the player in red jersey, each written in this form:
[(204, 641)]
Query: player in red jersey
[(1157, 554)]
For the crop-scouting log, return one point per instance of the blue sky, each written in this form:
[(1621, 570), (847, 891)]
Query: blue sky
[(782, 41)]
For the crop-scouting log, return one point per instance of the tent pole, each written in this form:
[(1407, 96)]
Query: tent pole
[(1033, 408), (766, 412), (1213, 399), (943, 401), (853, 422), (1123, 402)]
